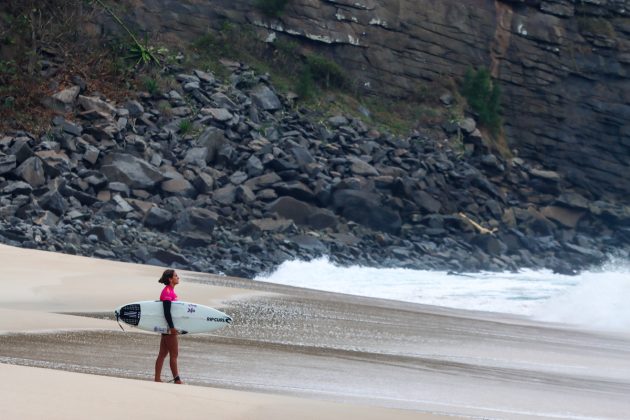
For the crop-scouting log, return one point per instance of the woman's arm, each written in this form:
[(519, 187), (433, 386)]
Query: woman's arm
[(167, 314)]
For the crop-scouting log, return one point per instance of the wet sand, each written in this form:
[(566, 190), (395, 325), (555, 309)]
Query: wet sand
[(337, 349)]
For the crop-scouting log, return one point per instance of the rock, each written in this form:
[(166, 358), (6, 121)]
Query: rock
[(219, 114), (264, 98), (225, 195), (135, 108), (338, 121), (170, 257), (16, 188), (546, 175), (574, 200), (263, 181), (104, 253), (238, 178), (195, 239), (54, 202), (245, 194), (291, 208), (425, 201), (490, 244), (179, 186), (71, 128), (103, 233), (361, 168), (67, 96), (566, 217), (447, 99), (21, 150), (269, 225), (46, 218), (593, 255), (197, 156), (90, 103), (254, 166), (213, 140), (32, 171), (365, 208), (309, 243), (468, 125), (135, 172), (159, 218), (91, 154), (7, 164), (204, 77), (203, 183), (202, 220), (122, 205), (295, 189)]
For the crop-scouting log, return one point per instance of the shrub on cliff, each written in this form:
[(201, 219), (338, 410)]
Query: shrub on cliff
[(483, 97), (325, 72)]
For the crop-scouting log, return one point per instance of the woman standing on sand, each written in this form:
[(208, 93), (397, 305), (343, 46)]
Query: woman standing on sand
[(168, 343)]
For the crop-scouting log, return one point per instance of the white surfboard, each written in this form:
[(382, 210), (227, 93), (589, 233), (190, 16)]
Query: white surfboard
[(188, 318)]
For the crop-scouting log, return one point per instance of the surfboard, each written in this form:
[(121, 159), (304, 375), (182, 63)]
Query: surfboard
[(188, 318)]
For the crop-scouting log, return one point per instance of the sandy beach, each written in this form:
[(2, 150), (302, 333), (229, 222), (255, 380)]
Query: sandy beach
[(289, 354)]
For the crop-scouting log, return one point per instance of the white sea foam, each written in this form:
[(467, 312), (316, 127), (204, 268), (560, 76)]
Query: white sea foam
[(599, 299), (592, 299)]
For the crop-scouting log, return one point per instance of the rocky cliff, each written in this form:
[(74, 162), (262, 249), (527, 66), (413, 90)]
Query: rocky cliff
[(227, 176), (563, 65)]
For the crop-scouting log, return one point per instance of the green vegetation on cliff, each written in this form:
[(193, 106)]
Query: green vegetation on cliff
[(130, 60), (484, 97)]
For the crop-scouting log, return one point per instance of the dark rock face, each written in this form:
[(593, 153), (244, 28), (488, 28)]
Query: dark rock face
[(563, 66), (240, 197)]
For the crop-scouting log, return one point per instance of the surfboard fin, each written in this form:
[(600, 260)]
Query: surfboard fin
[(118, 320)]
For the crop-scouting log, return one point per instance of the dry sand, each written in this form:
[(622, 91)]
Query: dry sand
[(290, 353)]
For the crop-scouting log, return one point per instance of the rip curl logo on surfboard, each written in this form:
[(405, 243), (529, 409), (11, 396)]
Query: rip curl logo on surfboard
[(227, 320)]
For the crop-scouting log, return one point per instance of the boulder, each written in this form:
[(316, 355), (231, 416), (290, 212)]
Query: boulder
[(158, 218), (7, 164), (566, 217), (90, 103), (179, 186), (213, 140), (426, 202), (54, 202), (203, 183), (202, 220), (133, 171), (270, 225), (225, 195), (303, 213), (219, 114), (365, 208), (32, 171), (264, 98), (361, 168)]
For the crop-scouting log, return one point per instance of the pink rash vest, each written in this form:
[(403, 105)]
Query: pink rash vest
[(168, 293)]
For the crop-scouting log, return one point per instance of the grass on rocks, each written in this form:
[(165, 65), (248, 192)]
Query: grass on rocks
[(35, 68)]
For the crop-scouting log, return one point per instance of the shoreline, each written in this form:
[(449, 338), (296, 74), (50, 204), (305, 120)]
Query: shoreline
[(297, 348)]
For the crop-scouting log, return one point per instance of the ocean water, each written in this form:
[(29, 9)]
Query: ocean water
[(598, 299)]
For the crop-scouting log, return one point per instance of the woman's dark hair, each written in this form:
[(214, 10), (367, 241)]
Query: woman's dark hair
[(166, 276)]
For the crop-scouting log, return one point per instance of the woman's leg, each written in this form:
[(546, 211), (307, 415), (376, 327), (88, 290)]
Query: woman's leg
[(159, 362), (173, 350)]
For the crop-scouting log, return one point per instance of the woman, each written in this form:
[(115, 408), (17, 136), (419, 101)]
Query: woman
[(168, 343)]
